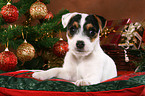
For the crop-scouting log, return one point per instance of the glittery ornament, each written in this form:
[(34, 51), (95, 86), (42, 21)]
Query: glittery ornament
[(49, 15), (60, 48), (8, 60), (10, 13), (38, 10), (25, 52)]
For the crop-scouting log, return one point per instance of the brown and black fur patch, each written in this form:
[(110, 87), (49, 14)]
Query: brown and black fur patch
[(91, 27), (73, 25), (72, 29), (91, 32)]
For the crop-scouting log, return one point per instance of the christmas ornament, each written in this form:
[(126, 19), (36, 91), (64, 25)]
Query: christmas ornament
[(129, 34), (10, 13), (49, 15), (8, 60), (38, 10), (60, 48), (25, 52)]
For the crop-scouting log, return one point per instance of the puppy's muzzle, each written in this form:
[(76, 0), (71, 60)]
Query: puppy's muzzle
[(80, 45)]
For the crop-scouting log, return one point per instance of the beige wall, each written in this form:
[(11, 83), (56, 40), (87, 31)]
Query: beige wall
[(110, 9)]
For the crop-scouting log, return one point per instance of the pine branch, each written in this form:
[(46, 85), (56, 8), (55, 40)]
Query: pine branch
[(39, 36)]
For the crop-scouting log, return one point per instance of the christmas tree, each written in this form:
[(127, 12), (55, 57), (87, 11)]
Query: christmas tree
[(41, 36)]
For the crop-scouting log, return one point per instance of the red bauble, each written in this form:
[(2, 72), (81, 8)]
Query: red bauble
[(8, 61), (60, 48), (49, 15), (10, 13)]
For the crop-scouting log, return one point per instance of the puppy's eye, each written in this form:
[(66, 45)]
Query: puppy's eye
[(91, 32), (72, 30)]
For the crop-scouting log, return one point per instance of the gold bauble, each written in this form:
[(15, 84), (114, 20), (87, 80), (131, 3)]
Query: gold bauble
[(38, 10), (25, 52)]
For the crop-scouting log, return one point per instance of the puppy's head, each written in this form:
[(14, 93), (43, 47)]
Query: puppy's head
[(82, 32)]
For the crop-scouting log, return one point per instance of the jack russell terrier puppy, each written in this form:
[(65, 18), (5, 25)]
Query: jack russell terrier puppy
[(85, 63)]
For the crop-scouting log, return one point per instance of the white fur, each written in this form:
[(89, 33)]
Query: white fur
[(89, 67)]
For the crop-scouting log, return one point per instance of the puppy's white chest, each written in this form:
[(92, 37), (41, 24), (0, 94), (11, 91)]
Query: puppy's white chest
[(80, 71)]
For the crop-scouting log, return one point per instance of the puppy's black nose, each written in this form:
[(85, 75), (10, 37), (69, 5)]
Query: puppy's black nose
[(80, 44)]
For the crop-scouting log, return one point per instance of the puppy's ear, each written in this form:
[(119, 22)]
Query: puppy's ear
[(102, 21), (66, 18)]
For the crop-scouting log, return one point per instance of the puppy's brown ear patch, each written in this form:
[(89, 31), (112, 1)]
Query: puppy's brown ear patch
[(101, 21)]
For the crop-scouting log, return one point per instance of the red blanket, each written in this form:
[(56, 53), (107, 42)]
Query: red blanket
[(21, 83)]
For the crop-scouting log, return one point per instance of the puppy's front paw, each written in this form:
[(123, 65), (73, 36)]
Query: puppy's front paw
[(41, 75), (82, 82)]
